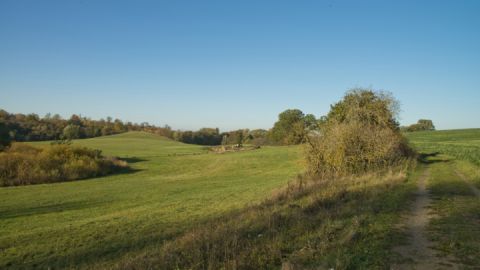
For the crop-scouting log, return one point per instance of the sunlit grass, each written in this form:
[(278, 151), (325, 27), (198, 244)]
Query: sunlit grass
[(176, 186)]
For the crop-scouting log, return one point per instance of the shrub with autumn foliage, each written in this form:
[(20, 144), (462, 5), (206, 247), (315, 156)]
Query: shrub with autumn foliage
[(22, 164)]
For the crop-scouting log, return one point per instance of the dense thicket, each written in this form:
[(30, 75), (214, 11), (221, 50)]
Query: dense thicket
[(359, 133), (21, 164), (31, 127)]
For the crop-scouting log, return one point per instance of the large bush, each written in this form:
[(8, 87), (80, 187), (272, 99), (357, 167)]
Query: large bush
[(360, 133), (22, 164)]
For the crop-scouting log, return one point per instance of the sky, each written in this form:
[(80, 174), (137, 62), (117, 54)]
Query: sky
[(238, 64)]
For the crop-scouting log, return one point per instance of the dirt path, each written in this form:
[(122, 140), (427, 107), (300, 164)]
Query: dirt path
[(474, 189), (418, 251)]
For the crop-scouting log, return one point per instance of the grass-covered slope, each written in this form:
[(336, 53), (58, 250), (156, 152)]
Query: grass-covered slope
[(173, 187)]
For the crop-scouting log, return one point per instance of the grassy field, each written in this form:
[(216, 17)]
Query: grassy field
[(184, 207), (462, 144), (174, 187), (346, 223)]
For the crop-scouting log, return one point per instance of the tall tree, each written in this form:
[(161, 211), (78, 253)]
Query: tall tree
[(291, 127)]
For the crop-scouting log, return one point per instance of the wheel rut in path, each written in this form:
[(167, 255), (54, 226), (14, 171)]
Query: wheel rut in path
[(474, 189), (418, 252)]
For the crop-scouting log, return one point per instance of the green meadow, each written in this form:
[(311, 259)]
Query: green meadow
[(462, 144), (123, 220), (172, 187)]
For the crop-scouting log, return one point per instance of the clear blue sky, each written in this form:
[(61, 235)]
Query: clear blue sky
[(237, 64)]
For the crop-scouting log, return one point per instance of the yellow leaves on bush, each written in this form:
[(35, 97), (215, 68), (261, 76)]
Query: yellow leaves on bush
[(22, 164), (360, 134)]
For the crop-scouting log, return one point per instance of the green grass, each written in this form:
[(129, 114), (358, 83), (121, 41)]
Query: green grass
[(340, 223), (455, 225), (462, 144), (176, 186), (183, 206)]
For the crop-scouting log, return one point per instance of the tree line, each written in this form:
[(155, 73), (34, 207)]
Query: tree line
[(290, 128), (31, 127)]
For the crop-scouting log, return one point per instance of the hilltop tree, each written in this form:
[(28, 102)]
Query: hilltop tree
[(291, 127), (359, 133)]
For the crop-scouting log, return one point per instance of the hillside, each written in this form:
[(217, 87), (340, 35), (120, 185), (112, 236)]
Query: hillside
[(183, 206), (421, 217), (174, 187)]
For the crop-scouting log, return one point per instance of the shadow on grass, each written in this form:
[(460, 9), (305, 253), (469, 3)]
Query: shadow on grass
[(455, 228), (48, 209), (132, 160), (431, 158), (344, 229)]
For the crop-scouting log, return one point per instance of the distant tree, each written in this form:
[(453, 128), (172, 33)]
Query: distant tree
[(311, 123), (426, 124), (71, 132), (292, 127), (240, 138), (4, 136), (118, 126), (107, 130), (224, 139), (75, 120), (421, 125), (257, 137)]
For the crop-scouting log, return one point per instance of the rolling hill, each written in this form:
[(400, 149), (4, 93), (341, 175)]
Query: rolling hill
[(173, 187)]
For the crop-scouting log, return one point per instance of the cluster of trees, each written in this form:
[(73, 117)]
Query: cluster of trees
[(291, 128), (31, 127), (421, 125), (212, 136), (204, 136), (360, 133), (22, 164)]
